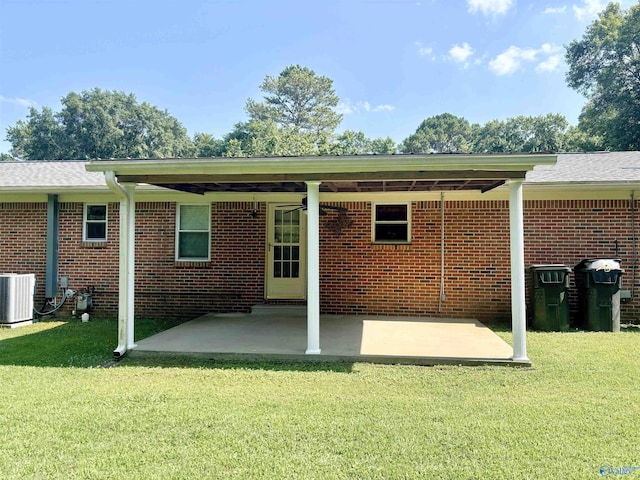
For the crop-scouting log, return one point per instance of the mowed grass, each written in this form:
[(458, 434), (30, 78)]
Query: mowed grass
[(576, 410)]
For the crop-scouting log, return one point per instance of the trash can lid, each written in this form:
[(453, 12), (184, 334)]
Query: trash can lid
[(550, 266), (600, 263), (604, 264)]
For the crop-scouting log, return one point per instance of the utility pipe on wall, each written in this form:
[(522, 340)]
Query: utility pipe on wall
[(634, 245), (442, 295)]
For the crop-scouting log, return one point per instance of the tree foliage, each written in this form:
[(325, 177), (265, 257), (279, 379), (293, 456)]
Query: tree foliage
[(263, 138), (99, 124), (352, 142), (444, 133), (206, 145), (544, 133), (298, 99), (605, 67)]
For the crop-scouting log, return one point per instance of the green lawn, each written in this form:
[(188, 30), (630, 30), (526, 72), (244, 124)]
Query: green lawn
[(576, 410)]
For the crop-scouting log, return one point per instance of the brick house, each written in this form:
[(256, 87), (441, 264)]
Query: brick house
[(425, 235)]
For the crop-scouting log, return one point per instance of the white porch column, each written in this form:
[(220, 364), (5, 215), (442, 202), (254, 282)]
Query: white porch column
[(313, 268), (131, 263), (518, 301)]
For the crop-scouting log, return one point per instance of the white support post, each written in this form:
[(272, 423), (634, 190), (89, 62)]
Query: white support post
[(123, 276), (131, 263), (518, 300), (313, 268)]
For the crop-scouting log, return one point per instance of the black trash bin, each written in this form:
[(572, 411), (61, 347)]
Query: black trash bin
[(598, 282), (549, 285)]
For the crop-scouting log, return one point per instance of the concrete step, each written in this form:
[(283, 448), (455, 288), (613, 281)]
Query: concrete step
[(285, 310)]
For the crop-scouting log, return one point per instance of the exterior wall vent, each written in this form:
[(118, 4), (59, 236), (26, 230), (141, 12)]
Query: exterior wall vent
[(16, 297)]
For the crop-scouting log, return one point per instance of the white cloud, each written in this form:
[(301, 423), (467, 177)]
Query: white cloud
[(555, 10), (385, 107), (551, 64), (460, 54), (512, 58), (489, 7), (423, 50), (23, 102), (348, 107), (589, 9)]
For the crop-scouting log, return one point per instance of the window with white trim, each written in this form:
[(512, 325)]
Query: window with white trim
[(391, 223), (193, 232), (94, 223)]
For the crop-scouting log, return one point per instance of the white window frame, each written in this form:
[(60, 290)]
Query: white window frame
[(178, 231), (85, 221), (374, 222)]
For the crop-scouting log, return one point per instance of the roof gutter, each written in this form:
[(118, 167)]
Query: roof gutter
[(126, 266)]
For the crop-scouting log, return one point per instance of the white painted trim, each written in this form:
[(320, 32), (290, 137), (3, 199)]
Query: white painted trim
[(324, 164), (85, 221), (518, 294), (177, 234), (374, 222), (313, 268)]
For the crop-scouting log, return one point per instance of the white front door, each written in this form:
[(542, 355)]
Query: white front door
[(286, 253)]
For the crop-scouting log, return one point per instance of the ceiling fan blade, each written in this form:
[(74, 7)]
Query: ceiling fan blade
[(332, 207), (294, 209)]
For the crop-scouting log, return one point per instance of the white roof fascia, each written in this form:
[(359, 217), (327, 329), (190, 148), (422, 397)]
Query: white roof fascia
[(322, 164)]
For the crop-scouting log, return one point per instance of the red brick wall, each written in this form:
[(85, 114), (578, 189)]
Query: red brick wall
[(23, 241), (356, 276)]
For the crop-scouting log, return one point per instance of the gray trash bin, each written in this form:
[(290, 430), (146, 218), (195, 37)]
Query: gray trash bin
[(549, 300), (598, 282)]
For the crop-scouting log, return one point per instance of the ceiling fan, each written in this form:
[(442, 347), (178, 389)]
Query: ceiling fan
[(303, 206)]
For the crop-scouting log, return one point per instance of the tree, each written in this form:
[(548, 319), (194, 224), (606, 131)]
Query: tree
[(384, 145), (99, 124), (544, 133), (605, 67), (577, 140), (351, 142), (297, 99), (262, 138), (6, 158), (444, 133), (206, 145)]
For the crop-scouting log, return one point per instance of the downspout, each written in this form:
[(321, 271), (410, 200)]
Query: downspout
[(123, 276), (442, 295), (53, 226)]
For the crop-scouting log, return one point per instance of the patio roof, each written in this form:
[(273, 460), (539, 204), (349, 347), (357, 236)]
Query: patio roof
[(357, 173), (310, 174)]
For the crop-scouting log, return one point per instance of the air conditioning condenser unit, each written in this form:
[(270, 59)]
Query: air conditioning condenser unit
[(16, 297)]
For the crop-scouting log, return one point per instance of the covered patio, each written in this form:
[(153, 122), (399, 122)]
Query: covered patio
[(279, 333), (320, 177)]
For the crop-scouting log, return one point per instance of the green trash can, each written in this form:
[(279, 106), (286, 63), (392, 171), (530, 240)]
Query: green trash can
[(549, 284), (598, 282)]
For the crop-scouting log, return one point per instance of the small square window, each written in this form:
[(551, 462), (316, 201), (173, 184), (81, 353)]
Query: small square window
[(193, 233), (95, 223), (391, 223)]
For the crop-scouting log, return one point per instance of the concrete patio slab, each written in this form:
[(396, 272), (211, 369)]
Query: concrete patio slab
[(274, 335)]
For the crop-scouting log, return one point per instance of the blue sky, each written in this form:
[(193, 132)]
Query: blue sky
[(393, 62)]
